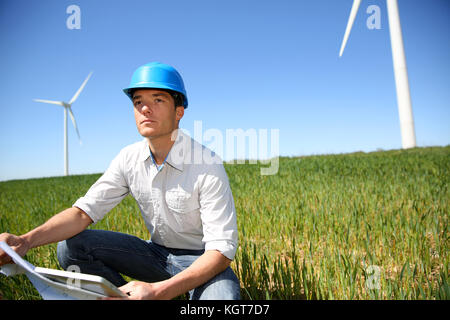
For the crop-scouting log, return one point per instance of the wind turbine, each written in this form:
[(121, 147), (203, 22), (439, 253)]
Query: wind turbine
[(400, 69), (68, 109)]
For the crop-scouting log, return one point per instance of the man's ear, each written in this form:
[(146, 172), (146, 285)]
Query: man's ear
[(179, 112)]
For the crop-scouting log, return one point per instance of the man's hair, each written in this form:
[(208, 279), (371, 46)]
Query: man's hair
[(177, 97)]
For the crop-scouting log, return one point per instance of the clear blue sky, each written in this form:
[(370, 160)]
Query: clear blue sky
[(246, 64)]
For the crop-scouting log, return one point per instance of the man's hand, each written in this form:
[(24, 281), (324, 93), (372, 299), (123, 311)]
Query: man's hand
[(138, 290), (17, 243), (62, 226), (201, 270)]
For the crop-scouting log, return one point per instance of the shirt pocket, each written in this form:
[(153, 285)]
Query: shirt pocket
[(184, 208)]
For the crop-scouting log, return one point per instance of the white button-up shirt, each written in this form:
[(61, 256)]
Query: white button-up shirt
[(186, 204)]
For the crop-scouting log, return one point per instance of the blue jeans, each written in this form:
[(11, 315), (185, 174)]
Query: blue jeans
[(110, 254)]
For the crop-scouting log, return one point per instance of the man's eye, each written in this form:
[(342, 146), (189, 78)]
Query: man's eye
[(137, 103), (158, 100)]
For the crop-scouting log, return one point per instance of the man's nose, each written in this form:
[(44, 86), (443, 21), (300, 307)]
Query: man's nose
[(146, 109)]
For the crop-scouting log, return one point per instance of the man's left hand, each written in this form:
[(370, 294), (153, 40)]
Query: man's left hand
[(138, 290)]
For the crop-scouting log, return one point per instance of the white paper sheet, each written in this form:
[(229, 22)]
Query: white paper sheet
[(48, 289)]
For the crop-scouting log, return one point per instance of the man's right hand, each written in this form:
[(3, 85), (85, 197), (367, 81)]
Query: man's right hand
[(17, 243), (61, 226)]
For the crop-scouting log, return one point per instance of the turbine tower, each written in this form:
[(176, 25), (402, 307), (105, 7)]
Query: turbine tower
[(400, 69), (68, 109)]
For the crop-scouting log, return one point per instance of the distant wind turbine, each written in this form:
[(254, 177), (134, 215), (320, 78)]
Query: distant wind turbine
[(68, 109), (400, 70)]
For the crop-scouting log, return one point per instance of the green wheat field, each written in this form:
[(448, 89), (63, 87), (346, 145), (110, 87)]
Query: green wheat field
[(348, 226)]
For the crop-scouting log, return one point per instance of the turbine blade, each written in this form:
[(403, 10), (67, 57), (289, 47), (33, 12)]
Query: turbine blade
[(79, 90), (74, 123), (351, 19), (60, 103)]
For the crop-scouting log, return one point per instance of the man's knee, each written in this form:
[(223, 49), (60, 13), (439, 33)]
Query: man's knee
[(67, 251), (224, 286)]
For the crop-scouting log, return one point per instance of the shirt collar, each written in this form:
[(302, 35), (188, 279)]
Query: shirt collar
[(172, 159)]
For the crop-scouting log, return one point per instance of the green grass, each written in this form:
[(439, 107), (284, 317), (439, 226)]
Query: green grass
[(309, 232)]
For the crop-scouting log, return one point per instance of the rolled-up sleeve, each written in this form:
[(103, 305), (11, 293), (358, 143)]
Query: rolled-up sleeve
[(218, 213), (106, 192)]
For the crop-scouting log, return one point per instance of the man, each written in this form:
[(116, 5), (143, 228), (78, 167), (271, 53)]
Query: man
[(183, 193)]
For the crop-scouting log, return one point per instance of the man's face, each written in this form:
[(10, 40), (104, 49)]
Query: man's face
[(155, 113)]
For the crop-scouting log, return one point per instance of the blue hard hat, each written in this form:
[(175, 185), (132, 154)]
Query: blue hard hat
[(156, 75)]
